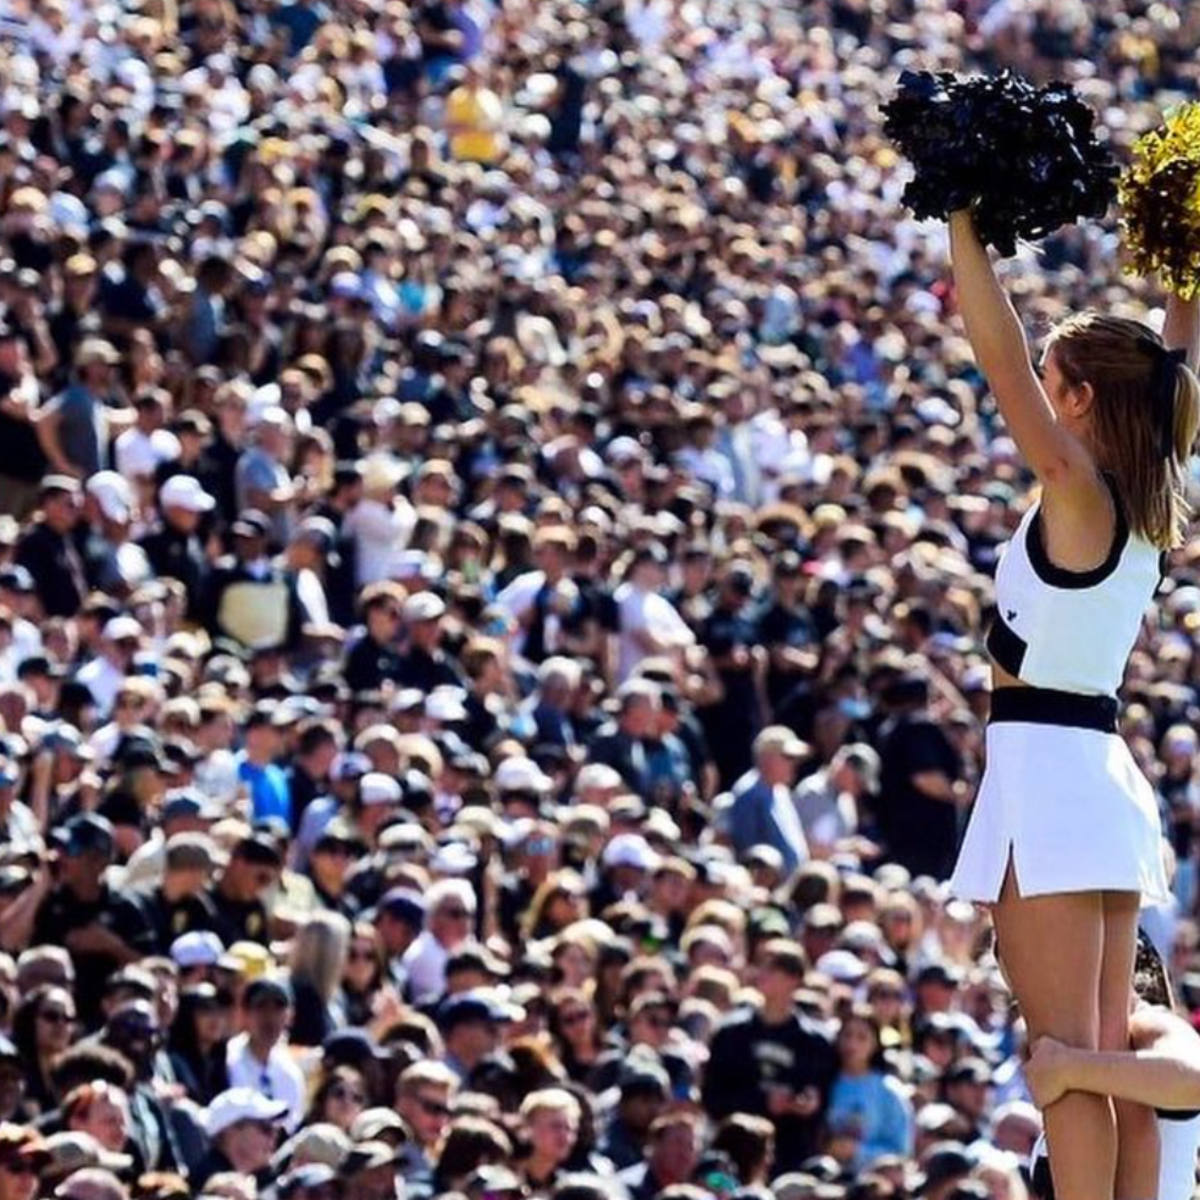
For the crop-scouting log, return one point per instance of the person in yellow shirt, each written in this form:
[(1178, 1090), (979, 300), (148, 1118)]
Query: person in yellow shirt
[(475, 120)]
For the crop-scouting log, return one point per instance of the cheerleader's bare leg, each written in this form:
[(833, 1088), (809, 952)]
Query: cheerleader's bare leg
[(1052, 949), (1137, 1127)]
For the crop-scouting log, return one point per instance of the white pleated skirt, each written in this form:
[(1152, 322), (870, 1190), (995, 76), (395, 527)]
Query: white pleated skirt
[(1072, 809)]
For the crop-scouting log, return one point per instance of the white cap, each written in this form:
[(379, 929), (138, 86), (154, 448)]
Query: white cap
[(424, 606), (184, 491), (117, 629), (446, 704), (625, 449), (378, 788), (454, 858), (240, 1104), (629, 850), (347, 285), (113, 493), (842, 966), (200, 948), (522, 775), (275, 416)]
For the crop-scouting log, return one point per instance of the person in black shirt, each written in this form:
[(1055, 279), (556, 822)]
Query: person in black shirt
[(921, 789), (425, 665), (175, 550), (786, 630), (253, 868), (81, 912), (773, 1061), (731, 638), (374, 657), (48, 553), (22, 462), (308, 776), (151, 920)]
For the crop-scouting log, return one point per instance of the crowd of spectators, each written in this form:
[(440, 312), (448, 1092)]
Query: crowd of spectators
[(498, 524)]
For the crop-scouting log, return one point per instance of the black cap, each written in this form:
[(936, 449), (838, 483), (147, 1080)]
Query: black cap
[(943, 1162), (16, 578), (267, 987), (943, 973), (259, 850), (968, 1070), (405, 905), (141, 750), (88, 833)]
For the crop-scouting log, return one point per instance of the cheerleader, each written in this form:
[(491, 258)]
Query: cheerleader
[(1064, 841)]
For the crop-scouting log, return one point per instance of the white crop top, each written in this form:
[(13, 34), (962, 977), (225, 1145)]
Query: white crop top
[(1072, 631)]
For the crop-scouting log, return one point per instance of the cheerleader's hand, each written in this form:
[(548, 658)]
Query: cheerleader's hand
[(1047, 1071)]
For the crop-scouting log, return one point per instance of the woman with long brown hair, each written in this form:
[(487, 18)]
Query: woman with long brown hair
[(1065, 840)]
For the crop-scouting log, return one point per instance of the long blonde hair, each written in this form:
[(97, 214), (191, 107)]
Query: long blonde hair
[(319, 952), (1121, 360)]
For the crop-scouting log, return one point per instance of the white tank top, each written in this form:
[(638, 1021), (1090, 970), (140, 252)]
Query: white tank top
[(1071, 631)]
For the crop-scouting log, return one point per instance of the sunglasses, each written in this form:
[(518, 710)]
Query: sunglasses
[(575, 1018), (341, 1092), (56, 1016), (657, 1022), (434, 1108), (19, 1166)]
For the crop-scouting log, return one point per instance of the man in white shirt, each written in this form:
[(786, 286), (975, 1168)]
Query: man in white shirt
[(259, 1059), (450, 922), (539, 600), (105, 674), (649, 623)]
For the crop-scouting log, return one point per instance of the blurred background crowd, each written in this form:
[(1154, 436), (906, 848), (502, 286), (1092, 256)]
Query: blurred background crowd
[(498, 524)]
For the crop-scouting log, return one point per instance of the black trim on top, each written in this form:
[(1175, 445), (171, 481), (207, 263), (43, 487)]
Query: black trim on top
[(1060, 577), (1005, 647), (1045, 706), (1177, 1114)]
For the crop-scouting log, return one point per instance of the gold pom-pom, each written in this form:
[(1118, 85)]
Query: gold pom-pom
[(1160, 202)]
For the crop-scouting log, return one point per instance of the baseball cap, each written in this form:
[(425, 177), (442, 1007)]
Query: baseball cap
[(521, 775), (122, 629), (184, 491), (267, 987), (113, 493), (251, 524), (240, 1104), (74, 1151), (405, 905), (781, 739), (199, 948), (183, 803), (378, 788), (629, 850), (467, 1007), (88, 833), (424, 606), (374, 1123), (944, 1161)]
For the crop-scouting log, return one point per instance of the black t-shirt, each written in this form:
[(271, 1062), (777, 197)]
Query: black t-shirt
[(21, 456), (238, 920), (57, 569), (920, 833), (61, 914), (369, 663), (150, 922), (749, 1056)]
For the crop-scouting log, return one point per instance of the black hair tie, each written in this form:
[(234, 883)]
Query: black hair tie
[(1164, 383)]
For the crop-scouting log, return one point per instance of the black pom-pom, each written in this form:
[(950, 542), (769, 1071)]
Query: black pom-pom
[(1025, 160)]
